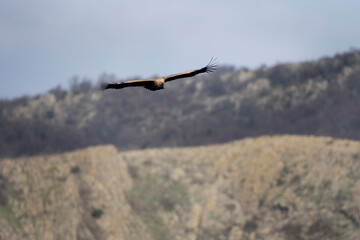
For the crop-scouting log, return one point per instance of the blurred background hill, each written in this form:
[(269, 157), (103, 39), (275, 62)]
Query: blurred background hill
[(310, 98)]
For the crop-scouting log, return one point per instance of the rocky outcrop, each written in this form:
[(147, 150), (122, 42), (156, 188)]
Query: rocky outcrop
[(77, 195), (272, 187), (286, 187)]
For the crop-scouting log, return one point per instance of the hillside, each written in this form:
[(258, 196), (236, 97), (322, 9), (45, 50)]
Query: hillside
[(318, 98), (271, 187)]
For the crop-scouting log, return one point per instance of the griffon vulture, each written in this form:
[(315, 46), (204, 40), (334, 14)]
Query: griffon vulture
[(158, 83)]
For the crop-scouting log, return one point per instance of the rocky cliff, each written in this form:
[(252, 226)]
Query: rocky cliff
[(274, 187), (79, 195)]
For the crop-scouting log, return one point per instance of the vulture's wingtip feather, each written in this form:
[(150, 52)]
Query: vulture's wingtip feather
[(102, 86), (211, 66)]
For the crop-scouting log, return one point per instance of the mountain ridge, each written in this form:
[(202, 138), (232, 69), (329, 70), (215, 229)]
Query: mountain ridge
[(270, 187), (318, 98)]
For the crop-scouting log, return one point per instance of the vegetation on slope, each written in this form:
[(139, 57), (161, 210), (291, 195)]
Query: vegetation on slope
[(319, 98), (286, 187)]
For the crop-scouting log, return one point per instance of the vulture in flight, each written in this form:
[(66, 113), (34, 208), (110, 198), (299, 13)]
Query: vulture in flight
[(158, 83)]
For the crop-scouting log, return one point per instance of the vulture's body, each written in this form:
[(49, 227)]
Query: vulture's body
[(159, 82)]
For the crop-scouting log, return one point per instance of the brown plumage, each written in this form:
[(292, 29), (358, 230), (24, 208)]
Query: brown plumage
[(159, 82)]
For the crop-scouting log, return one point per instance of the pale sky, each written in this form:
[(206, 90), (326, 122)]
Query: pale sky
[(44, 43)]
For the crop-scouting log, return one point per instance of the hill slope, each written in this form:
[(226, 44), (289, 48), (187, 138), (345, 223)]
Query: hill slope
[(319, 98), (281, 187)]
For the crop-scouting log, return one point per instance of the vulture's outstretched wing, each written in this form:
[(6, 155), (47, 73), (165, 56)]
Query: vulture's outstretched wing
[(210, 67), (131, 83)]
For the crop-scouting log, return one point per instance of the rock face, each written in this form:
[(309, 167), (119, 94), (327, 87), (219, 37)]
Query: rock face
[(280, 187), (286, 187), (77, 195)]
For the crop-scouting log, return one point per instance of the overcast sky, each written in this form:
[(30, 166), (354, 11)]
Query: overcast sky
[(44, 43)]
